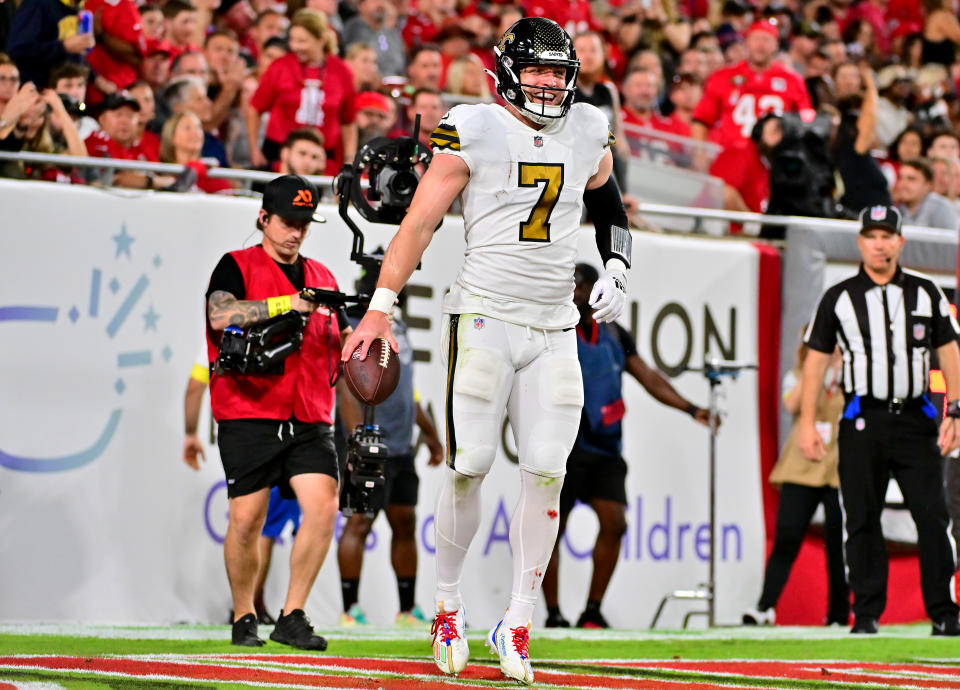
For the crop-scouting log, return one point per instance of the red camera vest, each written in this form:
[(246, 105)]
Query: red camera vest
[(303, 389)]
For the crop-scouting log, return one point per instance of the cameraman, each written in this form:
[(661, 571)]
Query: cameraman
[(276, 427), (744, 167), (801, 172)]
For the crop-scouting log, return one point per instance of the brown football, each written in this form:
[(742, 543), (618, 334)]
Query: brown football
[(373, 379)]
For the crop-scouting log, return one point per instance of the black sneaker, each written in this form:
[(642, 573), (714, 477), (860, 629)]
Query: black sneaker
[(244, 632), (295, 630), (592, 618), (556, 620), (265, 618), (864, 626), (949, 627), (840, 619)]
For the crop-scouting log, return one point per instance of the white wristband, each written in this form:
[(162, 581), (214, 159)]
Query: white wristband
[(614, 264), (383, 300)]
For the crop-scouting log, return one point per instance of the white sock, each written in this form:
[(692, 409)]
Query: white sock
[(533, 532), (456, 520)]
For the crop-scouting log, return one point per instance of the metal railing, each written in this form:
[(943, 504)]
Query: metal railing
[(245, 177), (323, 182)]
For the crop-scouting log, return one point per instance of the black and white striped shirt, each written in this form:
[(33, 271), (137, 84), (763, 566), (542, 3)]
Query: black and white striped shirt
[(886, 332)]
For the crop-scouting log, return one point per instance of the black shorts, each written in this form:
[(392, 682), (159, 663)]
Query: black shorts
[(402, 483), (260, 453), (591, 475)]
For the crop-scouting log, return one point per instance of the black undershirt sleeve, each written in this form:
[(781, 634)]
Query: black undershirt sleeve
[(227, 278)]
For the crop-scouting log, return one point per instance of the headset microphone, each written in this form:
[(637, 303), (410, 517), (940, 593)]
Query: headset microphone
[(889, 259)]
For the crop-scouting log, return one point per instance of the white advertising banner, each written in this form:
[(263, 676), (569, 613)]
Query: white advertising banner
[(101, 315)]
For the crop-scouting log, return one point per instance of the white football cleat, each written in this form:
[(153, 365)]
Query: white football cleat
[(450, 650), (511, 645), (758, 617)]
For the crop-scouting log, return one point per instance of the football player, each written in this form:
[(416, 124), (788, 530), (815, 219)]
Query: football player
[(524, 172)]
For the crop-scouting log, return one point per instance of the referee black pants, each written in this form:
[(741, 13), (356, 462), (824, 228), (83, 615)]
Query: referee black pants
[(872, 447)]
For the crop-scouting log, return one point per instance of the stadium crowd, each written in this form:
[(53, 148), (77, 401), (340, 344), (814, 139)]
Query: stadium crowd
[(299, 86)]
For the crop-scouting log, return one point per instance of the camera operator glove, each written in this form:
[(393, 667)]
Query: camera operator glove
[(609, 294)]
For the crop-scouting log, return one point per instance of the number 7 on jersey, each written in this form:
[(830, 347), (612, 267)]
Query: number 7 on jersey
[(537, 226)]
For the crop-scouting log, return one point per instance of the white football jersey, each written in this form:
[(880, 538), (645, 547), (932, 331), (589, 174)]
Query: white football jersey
[(521, 210)]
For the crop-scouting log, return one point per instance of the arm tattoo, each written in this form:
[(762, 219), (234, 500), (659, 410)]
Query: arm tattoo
[(223, 309)]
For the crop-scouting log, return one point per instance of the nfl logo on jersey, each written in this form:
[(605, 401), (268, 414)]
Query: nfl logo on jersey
[(919, 331), (478, 323), (538, 141)]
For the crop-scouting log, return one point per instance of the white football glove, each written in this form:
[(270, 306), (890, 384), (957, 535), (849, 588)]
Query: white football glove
[(609, 295)]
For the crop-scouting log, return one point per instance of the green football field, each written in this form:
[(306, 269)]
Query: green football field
[(47, 657)]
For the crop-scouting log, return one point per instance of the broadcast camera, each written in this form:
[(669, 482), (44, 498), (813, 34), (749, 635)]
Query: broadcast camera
[(262, 348), (801, 171), (362, 489), (390, 167)]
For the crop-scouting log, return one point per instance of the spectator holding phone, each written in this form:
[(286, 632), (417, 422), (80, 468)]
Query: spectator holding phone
[(44, 34)]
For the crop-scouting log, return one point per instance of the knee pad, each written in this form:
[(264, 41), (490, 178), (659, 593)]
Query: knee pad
[(562, 384), (548, 459), (477, 409), (474, 460), (545, 447)]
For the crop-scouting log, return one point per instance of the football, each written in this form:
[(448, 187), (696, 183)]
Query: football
[(373, 379)]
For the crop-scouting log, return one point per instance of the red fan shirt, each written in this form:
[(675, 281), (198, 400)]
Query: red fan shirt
[(651, 148), (741, 167), (99, 145), (297, 95), (418, 29), (573, 15), (734, 98), (120, 19), (205, 183), (149, 144), (656, 121)]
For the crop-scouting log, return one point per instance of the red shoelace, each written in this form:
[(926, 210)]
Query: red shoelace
[(446, 623), (521, 640)]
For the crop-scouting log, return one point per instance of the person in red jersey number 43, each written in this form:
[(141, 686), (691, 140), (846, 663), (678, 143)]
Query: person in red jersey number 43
[(734, 98)]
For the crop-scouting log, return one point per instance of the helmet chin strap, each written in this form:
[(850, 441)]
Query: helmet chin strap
[(540, 118)]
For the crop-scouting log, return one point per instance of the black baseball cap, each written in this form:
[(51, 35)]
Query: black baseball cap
[(119, 99), (883, 217), (737, 8), (291, 197)]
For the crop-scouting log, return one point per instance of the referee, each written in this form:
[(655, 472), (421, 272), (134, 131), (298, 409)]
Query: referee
[(887, 322)]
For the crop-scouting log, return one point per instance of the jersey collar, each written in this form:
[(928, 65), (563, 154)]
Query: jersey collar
[(863, 276)]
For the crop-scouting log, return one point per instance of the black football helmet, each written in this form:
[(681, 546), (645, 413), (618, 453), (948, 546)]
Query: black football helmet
[(535, 41)]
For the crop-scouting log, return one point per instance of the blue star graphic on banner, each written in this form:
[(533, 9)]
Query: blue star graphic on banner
[(123, 241), (150, 319)]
